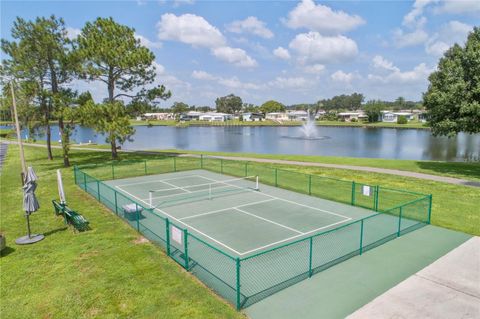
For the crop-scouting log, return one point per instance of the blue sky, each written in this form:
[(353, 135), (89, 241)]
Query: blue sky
[(293, 52)]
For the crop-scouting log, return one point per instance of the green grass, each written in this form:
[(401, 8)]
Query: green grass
[(107, 272), (468, 171), (5, 132)]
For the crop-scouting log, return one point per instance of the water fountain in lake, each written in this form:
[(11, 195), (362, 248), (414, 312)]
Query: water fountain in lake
[(309, 130)]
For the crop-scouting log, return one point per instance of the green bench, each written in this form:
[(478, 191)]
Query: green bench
[(70, 217)]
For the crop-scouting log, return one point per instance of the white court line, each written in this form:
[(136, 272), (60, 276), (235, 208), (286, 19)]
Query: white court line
[(188, 226), (270, 221), (139, 183), (177, 186), (158, 181), (293, 237), (224, 209), (296, 203)]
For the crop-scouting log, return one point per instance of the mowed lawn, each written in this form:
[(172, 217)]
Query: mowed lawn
[(107, 272)]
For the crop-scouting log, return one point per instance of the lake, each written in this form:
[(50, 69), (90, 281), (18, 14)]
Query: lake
[(337, 141)]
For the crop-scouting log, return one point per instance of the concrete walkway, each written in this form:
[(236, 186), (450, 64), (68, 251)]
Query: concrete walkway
[(448, 288), (436, 178)]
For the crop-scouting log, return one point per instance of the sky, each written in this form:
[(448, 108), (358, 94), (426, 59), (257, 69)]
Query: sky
[(289, 51)]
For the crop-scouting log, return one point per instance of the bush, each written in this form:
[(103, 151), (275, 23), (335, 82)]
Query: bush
[(353, 120), (402, 120)]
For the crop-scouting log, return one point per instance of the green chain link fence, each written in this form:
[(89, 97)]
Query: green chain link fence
[(244, 281)]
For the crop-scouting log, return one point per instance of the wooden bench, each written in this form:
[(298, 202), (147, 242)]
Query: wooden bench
[(70, 217)]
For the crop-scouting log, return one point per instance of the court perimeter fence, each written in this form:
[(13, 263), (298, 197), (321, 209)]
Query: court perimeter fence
[(246, 280)]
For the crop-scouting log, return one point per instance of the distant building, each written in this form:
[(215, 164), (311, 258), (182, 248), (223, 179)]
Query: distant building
[(213, 116), (349, 116), (191, 116), (158, 116), (277, 116), (252, 117), (297, 115), (388, 116)]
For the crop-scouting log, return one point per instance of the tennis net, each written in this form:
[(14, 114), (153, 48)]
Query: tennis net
[(181, 195)]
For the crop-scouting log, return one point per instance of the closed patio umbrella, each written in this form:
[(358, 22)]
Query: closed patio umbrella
[(30, 205)]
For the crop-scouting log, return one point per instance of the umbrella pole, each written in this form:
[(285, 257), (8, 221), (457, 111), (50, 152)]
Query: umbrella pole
[(28, 225)]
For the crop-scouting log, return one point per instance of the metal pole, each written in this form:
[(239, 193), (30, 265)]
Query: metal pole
[(310, 259), (185, 243), (429, 208), (399, 222), (167, 235), (353, 193), (237, 264), (19, 138), (361, 236)]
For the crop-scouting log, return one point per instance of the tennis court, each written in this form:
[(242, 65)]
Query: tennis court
[(241, 215), (248, 231)]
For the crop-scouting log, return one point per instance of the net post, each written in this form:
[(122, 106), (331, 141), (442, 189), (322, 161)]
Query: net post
[(98, 190), (237, 267), (116, 206), (137, 214), (353, 194), (185, 247), (399, 221), (361, 236), (174, 164), (309, 184), (145, 166), (113, 171), (310, 271), (167, 235), (429, 208), (276, 177)]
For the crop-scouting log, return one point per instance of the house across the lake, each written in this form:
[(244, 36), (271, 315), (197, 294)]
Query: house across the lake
[(351, 116), (277, 116), (253, 117), (214, 116), (191, 116), (158, 116), (389, 116)]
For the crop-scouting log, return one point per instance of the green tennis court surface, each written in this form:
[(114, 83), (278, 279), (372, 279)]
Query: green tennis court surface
[(231, 213)]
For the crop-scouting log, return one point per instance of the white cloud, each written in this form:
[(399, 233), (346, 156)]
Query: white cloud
[(408, 39), (321, 18), (281, 53), (459, 7), (415, 18), (233, 82), (202, 75), (72, 33), (190, 29), (290, 83), (314, 48), (235, 56), (418, 74), (250, 25), (314, 68), (450, 33), (177, 3), (380, 62), (148, 43), (343, 77)]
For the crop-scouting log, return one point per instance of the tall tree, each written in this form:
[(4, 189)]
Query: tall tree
[(453, 96), (231, 104), (178, 108), (272, 106), (373, 110), (42, 54), (111, 54)]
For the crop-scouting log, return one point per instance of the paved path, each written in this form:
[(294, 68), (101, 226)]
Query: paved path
[(436, 178), (448, 288)]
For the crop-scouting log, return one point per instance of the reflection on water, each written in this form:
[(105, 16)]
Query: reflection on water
[(343, 141)]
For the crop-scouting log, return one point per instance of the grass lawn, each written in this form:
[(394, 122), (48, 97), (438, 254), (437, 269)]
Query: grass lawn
[(107, 272), (468, 171)]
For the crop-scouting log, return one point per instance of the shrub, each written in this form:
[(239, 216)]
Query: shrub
[(353, 120), (402, 120)]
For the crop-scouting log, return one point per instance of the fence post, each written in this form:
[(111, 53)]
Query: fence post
[(113, 171), (353, 193), (138, 217), (429, 208), (309, 184), (399, 221), (376, 198), (276, 177), (237, 264), (221, 166), (167, 235), (75, 174), (246, 169), (145, 164), (116, 207), (98, 190), (201, 161), (361, 236), (185, 247), (84, 181), (310, 271), (174, 164)]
